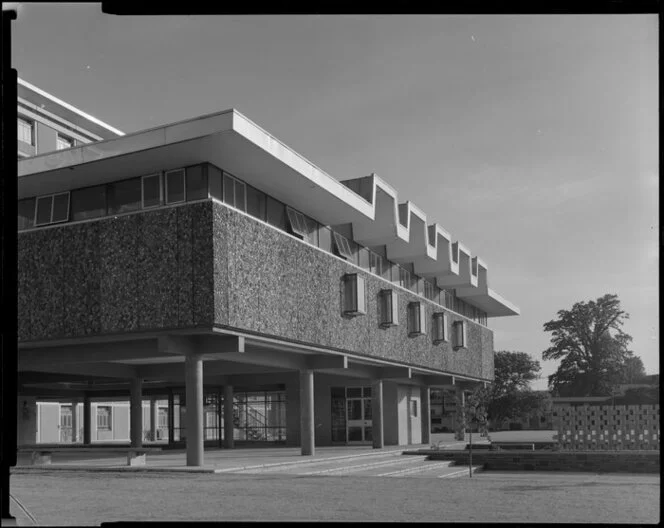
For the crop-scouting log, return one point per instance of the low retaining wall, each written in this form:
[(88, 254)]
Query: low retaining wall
[(594, 462)]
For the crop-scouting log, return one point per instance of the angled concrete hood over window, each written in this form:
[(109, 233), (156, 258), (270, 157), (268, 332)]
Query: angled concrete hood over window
[(231, 141)]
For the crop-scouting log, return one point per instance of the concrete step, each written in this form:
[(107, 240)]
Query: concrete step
[(315, 462), (460, 471), (362, 467), (425, 468)]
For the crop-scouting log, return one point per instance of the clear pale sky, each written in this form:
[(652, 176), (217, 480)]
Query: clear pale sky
[(533, 140)]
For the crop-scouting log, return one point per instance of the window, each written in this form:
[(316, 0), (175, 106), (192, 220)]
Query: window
[(297, 224), (124, 196), (162, 418), (197, 184), (175, 189), (63, 142), (325, 239), (404, 278), (429, 290), (354, 297), (44, 209), (52, 209), (26, 213), (416, 319), (312, 231), (89, 202), (25, 131), (65, 416), (214, 175), (234, 192), (413, 408), (439, 328), (276, 213), (343, 247), (104, 418), (256, 203), (375, 263), (363, 258), (459, 334), (151, 190), (389, 308)]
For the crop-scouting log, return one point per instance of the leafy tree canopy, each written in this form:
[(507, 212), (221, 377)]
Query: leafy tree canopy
[(592, 348), (513, 371)]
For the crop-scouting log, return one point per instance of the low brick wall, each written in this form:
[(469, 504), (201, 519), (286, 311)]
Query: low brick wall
[(594, 462)]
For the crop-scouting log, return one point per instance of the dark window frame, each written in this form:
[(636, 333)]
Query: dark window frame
[(161, 191), (167, 200)]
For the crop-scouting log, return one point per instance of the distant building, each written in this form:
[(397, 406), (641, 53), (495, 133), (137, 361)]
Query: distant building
[(46, 124)]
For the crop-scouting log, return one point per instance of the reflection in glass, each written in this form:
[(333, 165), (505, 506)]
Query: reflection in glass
[(354, 408), (355, 434)]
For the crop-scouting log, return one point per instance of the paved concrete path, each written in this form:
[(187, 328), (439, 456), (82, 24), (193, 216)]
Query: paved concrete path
[(331, 461)]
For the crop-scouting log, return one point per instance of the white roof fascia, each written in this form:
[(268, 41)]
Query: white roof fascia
[(69, 107)]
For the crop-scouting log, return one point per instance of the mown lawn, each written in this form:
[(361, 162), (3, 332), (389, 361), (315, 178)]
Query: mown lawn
[(90, 499)]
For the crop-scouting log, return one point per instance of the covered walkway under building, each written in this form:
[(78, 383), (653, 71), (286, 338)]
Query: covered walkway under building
[(312, 397)]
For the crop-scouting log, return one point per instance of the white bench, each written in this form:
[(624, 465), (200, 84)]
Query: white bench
[(42, 455)]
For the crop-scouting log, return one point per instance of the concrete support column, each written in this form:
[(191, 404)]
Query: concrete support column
[(229, 443), (460, 430), (87, 420), (28, 418), (171, 416), (74, 421), (153, 418), (136, 412), (425, 393), (377, 414), (307, 427), (194, 396)]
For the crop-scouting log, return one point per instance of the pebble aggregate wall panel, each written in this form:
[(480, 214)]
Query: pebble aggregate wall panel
[(268, 282), (144, 271)]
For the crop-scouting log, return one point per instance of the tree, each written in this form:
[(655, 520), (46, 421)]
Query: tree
[(591, 346), (475, 412), (633, 370), (510, 396), (513, 371)]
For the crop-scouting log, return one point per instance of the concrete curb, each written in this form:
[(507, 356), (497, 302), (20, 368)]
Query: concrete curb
[(112, 469)]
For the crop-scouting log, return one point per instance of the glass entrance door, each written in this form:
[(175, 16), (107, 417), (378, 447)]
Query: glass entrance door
[(358, 415)]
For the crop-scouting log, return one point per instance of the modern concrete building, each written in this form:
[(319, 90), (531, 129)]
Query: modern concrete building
[(46, 123), (206, 265)]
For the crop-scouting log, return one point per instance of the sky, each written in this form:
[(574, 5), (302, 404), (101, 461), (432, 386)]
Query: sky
[(533, 140)]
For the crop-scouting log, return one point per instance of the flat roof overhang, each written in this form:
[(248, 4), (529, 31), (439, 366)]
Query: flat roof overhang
[(234, 143), (226, 139), (123, 356)]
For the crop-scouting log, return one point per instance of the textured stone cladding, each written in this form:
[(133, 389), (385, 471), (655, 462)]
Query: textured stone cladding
[(607, 427), (144, 271), (270, 283), (595, 462)]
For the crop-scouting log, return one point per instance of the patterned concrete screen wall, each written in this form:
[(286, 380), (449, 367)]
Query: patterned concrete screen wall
[(607, 427)]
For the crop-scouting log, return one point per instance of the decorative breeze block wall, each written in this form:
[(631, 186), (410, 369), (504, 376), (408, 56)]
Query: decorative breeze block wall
[(607, 427)]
